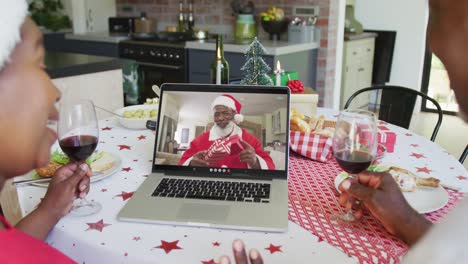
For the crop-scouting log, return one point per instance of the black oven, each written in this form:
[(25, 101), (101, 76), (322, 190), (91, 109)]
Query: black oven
[(158, 63)]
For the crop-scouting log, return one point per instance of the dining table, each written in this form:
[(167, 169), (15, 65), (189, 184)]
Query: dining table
[(313, 235)]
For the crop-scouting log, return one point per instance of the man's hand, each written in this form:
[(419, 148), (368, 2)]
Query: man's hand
[(199, 159), (240, 257), (382, 196), (248, 155), (69, 182)]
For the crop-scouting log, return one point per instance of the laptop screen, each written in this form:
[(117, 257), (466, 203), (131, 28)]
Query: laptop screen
[(223, 129)]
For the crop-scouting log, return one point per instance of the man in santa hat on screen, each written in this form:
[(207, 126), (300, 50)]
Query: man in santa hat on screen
[(227, 116)]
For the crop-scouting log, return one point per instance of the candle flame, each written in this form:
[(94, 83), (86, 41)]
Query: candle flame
[(278, 66)]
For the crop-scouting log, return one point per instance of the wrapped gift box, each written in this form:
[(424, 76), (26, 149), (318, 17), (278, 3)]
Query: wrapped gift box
[(293, 75), (387, 138), (223, 147)]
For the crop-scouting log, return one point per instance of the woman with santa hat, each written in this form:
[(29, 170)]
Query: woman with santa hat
[(27, 104), (27, 98), (227, 117)]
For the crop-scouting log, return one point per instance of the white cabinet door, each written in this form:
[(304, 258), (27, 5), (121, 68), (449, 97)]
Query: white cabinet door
[(92, 15), (357, 70)]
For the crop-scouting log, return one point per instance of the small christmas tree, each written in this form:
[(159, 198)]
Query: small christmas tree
[(255, 68)]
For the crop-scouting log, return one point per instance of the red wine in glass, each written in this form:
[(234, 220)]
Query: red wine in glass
[(353, 162), (79, 148), (354, 145), (78, 133)]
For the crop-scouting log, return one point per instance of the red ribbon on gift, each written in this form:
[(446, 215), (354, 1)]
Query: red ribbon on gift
[(296, 86), (223, 147)]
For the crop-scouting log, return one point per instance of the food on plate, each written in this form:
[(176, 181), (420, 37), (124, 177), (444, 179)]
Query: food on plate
[(140, 113), (98, 162), (316, 125), (152, 101), (49, 170), (409, 181), (103, 162)]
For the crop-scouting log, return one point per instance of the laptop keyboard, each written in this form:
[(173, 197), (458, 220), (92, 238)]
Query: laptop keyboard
[(214, 190)]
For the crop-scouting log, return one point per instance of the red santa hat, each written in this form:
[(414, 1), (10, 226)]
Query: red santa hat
[(12, 15), (231, 102)]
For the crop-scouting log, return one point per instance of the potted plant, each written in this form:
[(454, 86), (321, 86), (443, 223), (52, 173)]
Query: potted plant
[(49, 14), (245, 30)]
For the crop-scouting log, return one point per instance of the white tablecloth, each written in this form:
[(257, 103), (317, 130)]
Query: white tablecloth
[(101, 238)]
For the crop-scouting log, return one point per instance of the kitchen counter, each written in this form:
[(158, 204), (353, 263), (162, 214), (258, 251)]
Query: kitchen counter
[(272, 47), (351, 36), (63, 64), (98, 37)]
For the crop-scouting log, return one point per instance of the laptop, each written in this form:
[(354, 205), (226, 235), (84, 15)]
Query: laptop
[(209, 169)]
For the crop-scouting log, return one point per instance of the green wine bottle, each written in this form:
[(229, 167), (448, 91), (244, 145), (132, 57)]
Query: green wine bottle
[(219, 66)]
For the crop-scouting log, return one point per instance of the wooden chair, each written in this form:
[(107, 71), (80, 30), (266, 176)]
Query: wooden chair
[(393, 104), (464, 154)]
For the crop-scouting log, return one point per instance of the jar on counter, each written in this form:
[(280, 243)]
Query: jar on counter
[(245, 29)]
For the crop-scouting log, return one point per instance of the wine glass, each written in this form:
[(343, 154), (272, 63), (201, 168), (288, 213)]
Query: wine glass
[(355, 145), (78, 134)]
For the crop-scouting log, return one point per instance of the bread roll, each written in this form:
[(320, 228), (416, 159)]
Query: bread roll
[(298, 124)]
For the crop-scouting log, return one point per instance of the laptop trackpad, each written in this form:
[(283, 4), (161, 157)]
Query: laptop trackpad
[(194, 211)]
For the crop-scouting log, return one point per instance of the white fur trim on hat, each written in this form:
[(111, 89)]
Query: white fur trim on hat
[(238, 118), (224, 101), (12, 15)]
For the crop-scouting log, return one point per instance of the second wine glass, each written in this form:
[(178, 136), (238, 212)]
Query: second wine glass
[(355, 145), (78, 134)]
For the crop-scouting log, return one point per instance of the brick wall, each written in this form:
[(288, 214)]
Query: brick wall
[(218, 12)]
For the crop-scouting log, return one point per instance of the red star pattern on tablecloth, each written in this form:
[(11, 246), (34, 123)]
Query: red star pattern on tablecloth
[(99, 225), (122, 147), (106, 128), (462, 178), (424, 169), (408, 134), (103, 190), (417, 155), (141, 137), (135, 160), (216, 244), (127, 169), (211, 261), (125, 195), (137, 238), (168, 246), (414, 145), (272, 248)]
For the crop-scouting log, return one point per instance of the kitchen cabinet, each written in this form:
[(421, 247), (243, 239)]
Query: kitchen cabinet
[(358, 57), (57, 42), (293, 57), (199, 63)]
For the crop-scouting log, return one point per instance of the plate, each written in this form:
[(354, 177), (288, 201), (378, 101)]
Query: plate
[(423, 200), (115, 167)]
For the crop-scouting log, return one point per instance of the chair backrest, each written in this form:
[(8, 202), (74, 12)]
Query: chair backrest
[(393, 104), (464, 154)]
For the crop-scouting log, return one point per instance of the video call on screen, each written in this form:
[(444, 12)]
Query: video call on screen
[(188, 131)]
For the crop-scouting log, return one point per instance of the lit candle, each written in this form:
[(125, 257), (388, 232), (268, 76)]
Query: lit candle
[(218, 71), (278, 73)]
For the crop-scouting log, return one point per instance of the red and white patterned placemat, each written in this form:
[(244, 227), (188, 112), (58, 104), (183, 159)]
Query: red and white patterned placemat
[(313, 200)]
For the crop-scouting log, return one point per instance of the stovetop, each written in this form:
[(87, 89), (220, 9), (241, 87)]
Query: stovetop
[(160, 39)]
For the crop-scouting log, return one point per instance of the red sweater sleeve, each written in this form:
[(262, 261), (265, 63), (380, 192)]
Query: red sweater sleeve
[(196, 146), (14, 244), (255, 143)]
